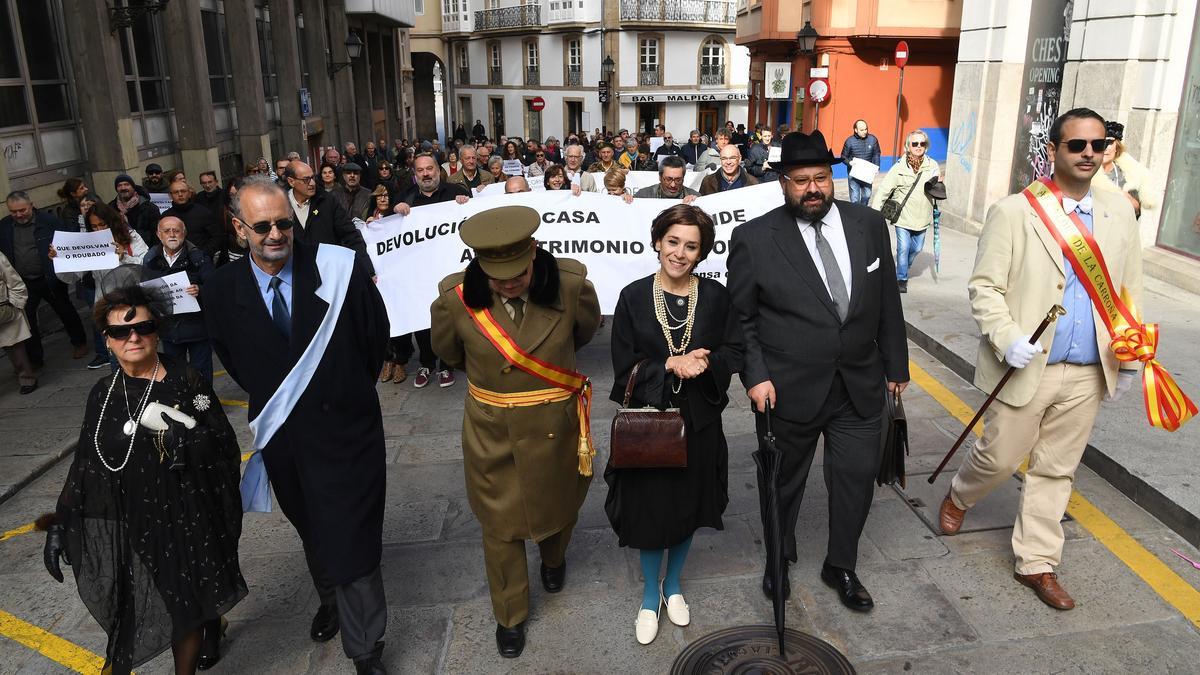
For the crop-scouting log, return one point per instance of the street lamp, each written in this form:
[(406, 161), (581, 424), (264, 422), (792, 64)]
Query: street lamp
[(607, 67), (806, 39), (354, 47)]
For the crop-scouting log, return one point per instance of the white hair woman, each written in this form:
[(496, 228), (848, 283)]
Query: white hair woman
[(912, 214)]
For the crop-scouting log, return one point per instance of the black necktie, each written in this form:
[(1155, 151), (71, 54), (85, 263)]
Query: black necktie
[(833, 273), (279, 310)]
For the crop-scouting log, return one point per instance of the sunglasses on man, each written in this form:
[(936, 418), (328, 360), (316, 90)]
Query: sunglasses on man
[(143, 328), (264, 226), (1076, 145)]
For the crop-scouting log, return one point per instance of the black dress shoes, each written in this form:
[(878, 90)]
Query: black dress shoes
[(510, 641), (325, 624), (554, 577), (769, 584), (371, 666), (210, 643), (850, 590)]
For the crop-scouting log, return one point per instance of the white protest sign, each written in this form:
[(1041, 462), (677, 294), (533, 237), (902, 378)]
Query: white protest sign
[(84, 251), (655, 143), (513, 167), (172, 290), (773, 153), (413, 253), (862, 170), (162, 200)]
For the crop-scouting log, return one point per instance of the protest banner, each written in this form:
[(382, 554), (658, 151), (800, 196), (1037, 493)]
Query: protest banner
[(161, 199), (413, 253), (513, 167), (171, 291), (84, 251)]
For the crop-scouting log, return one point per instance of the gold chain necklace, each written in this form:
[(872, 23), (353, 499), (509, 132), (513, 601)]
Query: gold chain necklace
[(660, 312)]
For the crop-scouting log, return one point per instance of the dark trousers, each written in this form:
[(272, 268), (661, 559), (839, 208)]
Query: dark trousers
[(197, 354), (58, 296), (508, 572), (851, 464), (403, 349)]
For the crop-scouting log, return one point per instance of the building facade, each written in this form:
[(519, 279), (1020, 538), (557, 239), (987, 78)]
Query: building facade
[(1021, 63), (856, 44), (673, 62), (97, 88)]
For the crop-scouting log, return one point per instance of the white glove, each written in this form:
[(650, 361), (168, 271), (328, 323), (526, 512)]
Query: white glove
[(1125, 380), (152, 417), (1020, 353)]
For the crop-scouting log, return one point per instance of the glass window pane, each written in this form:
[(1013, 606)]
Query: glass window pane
[(13, 112), (51, 103), (212, 43), (153, 96), (125, 50), (145, 47), (19, 153), (220, 93), (131, 89), (9, 67), (40, 33), (60, 146)]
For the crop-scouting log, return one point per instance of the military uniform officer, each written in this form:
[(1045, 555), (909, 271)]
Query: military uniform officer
[(513, 321)]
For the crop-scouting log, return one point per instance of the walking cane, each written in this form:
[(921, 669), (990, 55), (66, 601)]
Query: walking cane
[(1055, 312)]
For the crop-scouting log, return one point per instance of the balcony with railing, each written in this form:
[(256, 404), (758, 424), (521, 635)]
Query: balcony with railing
[(574, 76), (456, 22), (533, 77), (566, 11), (712, 74), (680, 11), (464, 76), (648, 76), (507, 18), (495, 76)]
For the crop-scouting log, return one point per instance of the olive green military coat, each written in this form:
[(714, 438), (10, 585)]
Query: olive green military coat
[(521, 464)]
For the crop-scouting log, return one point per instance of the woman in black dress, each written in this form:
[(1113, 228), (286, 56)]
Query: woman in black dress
[(684, 332), (150, 515)]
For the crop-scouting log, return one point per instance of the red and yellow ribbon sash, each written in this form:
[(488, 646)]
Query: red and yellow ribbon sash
[(1167, 406), (560, 378)]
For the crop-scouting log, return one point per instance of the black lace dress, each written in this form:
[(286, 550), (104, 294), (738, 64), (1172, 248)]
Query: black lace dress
[(154, 549)]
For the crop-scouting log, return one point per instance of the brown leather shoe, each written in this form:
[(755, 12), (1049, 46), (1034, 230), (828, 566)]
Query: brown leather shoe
[(1047, 589), (385, 375), (400, 374), (950, 517)]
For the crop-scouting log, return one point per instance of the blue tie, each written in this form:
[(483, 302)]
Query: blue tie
[(279, 310)]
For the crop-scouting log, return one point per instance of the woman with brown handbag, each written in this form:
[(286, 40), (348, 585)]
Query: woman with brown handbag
[(682, 334)]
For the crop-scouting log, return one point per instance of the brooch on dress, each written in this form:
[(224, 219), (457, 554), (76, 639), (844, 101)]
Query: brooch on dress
[(201, 402)]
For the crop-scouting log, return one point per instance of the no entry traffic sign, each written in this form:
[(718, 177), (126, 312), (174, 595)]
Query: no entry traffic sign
[(901, 53), (537, 103), (818, 90)]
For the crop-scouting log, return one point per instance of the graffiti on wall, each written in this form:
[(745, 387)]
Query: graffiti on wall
[(1045, 60), (961, 140)]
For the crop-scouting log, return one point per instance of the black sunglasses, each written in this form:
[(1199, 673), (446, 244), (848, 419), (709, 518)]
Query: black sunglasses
[(264, 227), (1077, 145), (919, 144), (143, 328)]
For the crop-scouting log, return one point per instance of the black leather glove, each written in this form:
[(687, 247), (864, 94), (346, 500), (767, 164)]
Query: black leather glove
[(56, 547), (175, 441)]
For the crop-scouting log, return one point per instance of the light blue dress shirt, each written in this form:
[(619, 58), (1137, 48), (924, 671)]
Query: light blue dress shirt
[(264, 284), (1075, 333)]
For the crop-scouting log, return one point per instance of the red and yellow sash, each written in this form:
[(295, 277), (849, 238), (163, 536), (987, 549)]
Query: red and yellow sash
[(1166, 404), (560, 378)]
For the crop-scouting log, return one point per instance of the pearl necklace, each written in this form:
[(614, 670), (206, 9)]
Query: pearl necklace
[(131, 433), (660, 312)]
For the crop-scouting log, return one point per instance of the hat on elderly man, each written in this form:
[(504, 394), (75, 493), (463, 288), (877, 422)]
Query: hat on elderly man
[(800, 149)]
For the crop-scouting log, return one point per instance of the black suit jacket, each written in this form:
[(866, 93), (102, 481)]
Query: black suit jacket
[(327, 462), (793, 335), (329, 223)]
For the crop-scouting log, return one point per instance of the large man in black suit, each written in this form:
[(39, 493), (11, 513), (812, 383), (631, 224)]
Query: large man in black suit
[(814, 283), (326, 460)]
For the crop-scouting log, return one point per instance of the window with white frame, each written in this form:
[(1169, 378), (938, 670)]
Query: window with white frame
[(531, 55), (712, 61), (495, 53), (648, 61), (38, 127)]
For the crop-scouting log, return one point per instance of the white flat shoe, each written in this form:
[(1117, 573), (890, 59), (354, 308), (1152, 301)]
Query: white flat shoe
[(646, 627), (677, 609)]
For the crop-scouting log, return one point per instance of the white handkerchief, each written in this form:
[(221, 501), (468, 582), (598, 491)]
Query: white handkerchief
[(873, 266)]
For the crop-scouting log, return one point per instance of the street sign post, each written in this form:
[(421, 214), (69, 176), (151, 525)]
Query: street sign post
[(602, 90), (819, 92), (901, 57), (537, 104)]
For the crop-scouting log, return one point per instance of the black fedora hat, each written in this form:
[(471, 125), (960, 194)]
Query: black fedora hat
[(935, 188), (800, 149)]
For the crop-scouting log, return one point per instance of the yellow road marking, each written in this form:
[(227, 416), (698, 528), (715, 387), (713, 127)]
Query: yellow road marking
[(49, 645), (219, 373), (235, 402), (247, 455), (1158, 575), (16, 532)]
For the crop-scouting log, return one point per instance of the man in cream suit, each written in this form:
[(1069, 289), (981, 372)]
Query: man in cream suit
[(1045, 413)]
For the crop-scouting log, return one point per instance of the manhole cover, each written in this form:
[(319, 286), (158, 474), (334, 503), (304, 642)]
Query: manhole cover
[(754, 650)]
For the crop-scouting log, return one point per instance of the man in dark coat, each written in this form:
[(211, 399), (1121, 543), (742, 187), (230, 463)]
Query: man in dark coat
[(478, 131), (154, 180), (860, 145), (327, 460), (813, 282), (134, 203), (183, 335), (203, 227), (321, 218)]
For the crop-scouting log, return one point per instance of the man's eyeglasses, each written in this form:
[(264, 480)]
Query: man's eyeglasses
[(919, 144), (803, 181), (305, 179), (1076, 145), (143, 328), (264, 227)]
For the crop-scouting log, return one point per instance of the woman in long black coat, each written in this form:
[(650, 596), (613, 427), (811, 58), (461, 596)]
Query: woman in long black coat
[(657, 510)]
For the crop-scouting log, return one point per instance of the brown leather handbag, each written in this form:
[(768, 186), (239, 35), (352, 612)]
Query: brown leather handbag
[(646, 438)]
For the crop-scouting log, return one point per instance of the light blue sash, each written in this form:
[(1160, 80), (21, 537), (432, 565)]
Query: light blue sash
[(335, 264)]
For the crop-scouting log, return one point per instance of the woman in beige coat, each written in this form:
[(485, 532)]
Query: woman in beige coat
[(917, 214), (14, 328)]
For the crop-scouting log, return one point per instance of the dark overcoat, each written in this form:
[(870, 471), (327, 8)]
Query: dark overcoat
[(327, 462)]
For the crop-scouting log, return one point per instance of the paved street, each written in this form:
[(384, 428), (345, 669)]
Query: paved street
[(944, 604)]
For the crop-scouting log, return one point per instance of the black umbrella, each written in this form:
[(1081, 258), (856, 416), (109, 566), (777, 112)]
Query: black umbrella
[(768, 458)]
